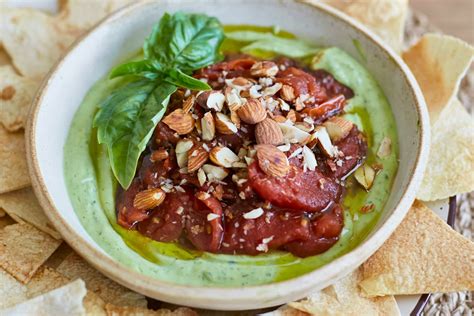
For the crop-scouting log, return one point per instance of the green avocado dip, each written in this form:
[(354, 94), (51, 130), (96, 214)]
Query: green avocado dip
[(92, 185)]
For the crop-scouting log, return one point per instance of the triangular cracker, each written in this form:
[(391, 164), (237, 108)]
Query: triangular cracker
[(23, 206), (344, 298), (111, 292), (23, 249), (13, 168), (66, 300), (423, 255), (16, 93), (439, 62), (450, 168)]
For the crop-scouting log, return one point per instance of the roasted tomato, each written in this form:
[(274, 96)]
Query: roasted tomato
[(309, 191), (127, 214)]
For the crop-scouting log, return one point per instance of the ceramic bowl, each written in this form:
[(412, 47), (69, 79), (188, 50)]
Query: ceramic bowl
[(122, 34)]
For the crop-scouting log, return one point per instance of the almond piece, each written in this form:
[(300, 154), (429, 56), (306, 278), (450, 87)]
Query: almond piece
[(309, 158), (183, 146), (208, 127), (385, 148), (365, 175), (287, 93), (201, 175), (239, 83), (338, 128), (272, 161), (272, 90), (233, 99), (292, 134), (291, 116), (234, 117), (197, 157), (159, 155), (179, 121), (189, 103), (223, 156), (215, 101), (268, 132), (149, 199), (279, 118), (224, 125), (252, 112), (324, 141), (264, 69), (214, 173)]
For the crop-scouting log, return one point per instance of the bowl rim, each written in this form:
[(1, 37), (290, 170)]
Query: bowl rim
[(241, 297)]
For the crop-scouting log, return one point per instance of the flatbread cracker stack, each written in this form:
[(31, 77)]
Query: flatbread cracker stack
[(423, 255), (52, 303)]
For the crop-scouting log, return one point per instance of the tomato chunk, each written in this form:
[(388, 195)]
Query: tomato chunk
[(127, 214), (309, 191)]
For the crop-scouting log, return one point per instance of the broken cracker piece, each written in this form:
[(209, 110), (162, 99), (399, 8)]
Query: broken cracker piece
[(23, 249), (13, 168), (141, 311), (16, 93), (111, 292), (423, 255), (23, 206)]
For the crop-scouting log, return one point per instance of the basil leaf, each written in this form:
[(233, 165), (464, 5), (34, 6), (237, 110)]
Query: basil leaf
[(184, 41), (269, 42), (126, 120), (180, 79), (142, 68)]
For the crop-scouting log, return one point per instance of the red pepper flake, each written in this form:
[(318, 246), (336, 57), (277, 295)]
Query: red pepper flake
[(367, 208)]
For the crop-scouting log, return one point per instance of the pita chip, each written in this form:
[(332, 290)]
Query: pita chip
[(386, 18), (11, 291), (84, 14), (23, 206), (450, 170), (13, 168), (23, 249), (423, 255), (33, 53), (5, 220), (111, 292), (344, 298), (16, 93), (66, 300), (141, 311), (439, 62)]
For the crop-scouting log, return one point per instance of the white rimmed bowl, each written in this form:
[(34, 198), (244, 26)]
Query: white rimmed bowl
[(121, 35)]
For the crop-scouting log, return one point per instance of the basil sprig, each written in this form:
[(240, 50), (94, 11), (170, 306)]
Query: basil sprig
[(178, 45)]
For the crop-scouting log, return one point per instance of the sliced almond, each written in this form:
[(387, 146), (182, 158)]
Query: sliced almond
[(239, 83), (189, 103), (159, 155), (338, 128), (309, 158), (214, 173), (183, 146), (224, 125), (305, 126), (268, 132), (223, 156), (264, 69), (201, 175), (385, 148), (365, 175), (215, 101), (149, 199), (234, 117), (292, 134), (182, 160), (324, 141), (287, 93), (272, 161), (208, 127), (291, 116), (179, 121), (197, 157), (252, 112)]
